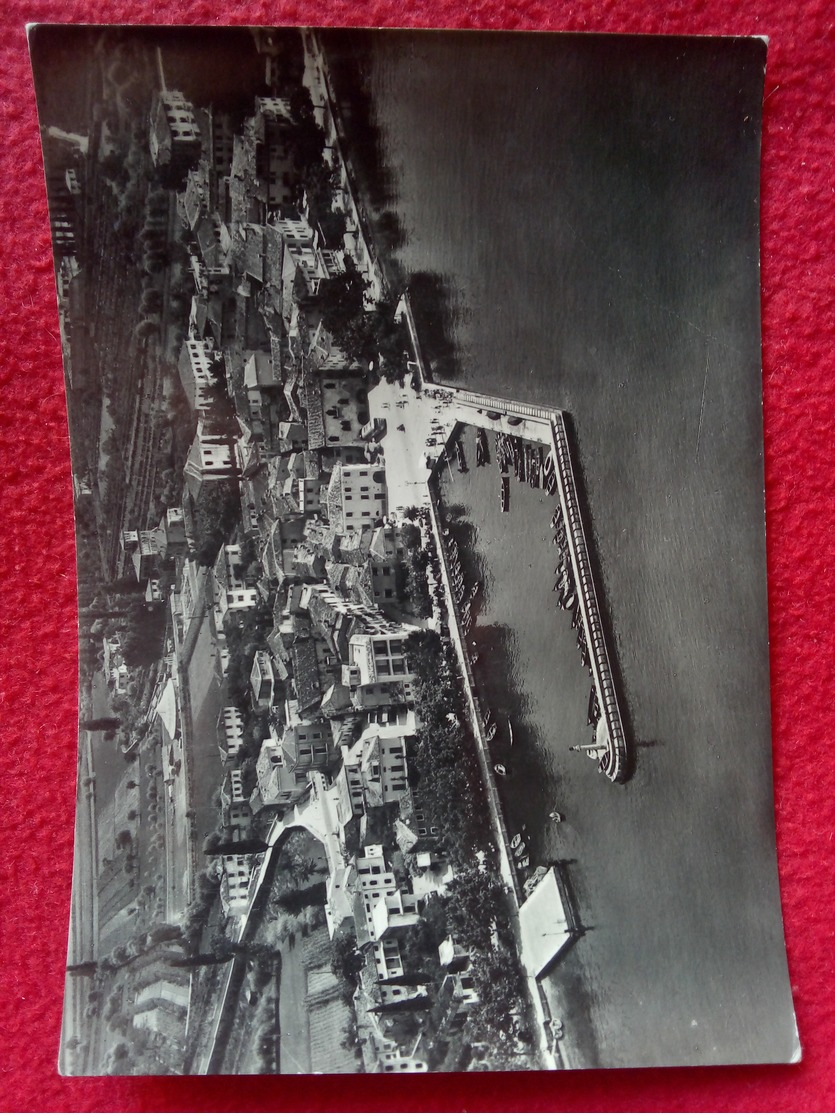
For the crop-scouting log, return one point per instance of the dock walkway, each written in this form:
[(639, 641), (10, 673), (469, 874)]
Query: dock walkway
[(615, 762)]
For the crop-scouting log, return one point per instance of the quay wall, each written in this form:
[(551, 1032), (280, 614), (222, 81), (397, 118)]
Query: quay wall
[(538, 1003)]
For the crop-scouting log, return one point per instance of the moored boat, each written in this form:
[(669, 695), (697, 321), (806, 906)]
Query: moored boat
[(482, 452), (505, 494)]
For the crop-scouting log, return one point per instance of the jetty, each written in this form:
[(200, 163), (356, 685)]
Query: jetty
[(610, 745)]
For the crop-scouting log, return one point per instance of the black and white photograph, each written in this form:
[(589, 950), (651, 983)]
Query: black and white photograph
[(415, 405)]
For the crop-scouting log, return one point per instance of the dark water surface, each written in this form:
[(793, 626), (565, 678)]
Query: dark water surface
[(592, 213)]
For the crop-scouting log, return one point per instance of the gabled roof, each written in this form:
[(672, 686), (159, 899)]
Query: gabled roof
[(306, 674)]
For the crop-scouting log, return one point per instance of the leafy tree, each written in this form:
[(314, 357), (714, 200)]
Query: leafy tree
[(193, 961), (216, 512), (83, 969), (142, 644), (341, 301), (500, 1017), (347, 962), (96, 724), (242, 846), (296, 900), (476, 905)]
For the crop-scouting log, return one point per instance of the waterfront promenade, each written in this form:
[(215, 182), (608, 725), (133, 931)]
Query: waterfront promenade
[(477, 727)]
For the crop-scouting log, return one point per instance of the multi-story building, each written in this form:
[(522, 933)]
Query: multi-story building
[(201, 369), (357, 497), (213, 457), (337, 410), (274, 162), (236, 881), (279, 785), (262, 682), (306, 743), (378, 660), (374, 771), (230, 726), (175, 138), (232, 593)]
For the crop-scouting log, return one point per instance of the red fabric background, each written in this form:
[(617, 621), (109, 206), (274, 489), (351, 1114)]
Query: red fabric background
[(37, 619)]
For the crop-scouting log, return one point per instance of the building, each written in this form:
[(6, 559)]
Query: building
[(417, 830), (374, 771), (274, 163), (306, 743), (230, 727), (262, 682), (145, 548), (175, 138), (337, 408), (201, 370), (232, 593), (357, 497), (238, 871), (114, 667), (279, 785), (212, 457), (378, 660)]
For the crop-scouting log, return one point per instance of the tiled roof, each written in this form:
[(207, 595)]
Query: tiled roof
[(312, 398), (306, 674)]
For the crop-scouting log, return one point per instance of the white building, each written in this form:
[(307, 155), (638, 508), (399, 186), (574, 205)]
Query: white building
[(374, 770), (230, 731), (378, 659), (235, 883), (357, 497)]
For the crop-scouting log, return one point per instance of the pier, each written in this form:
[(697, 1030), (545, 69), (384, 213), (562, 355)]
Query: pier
[(614, 762)]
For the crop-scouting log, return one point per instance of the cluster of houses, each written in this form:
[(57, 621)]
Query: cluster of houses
[(283, 415)]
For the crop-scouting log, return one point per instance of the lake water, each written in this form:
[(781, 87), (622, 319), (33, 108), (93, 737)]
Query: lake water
[(592, 216)]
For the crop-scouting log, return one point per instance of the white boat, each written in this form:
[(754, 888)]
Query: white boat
[(500, 769)]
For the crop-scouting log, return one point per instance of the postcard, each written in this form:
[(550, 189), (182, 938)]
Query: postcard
[(414, 392)]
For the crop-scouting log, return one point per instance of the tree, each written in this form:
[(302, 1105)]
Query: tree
[(476, 903), (216, 512), (341, 299), (83, 969), (347, 962), (143, 640), (500, 1017), (217, 844), (296, 900), (192, 961), (96, 724)]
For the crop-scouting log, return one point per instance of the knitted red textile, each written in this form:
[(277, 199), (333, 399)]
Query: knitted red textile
[(38, 645)]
